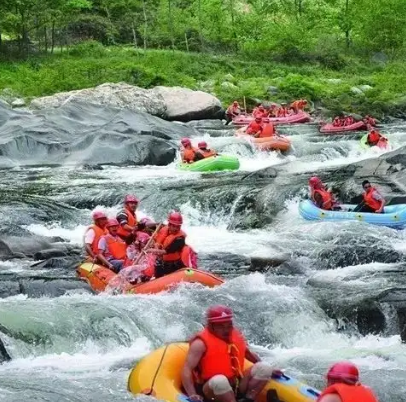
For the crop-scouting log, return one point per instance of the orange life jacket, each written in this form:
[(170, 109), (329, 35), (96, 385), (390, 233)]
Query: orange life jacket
[(350, 393), (267, 131), (374, 137), (207, 152), (370, 201), (221, 357), (99, 232), (132, 221), (282, 112), (116, 247), (164, 239), (188, 155), (326, 196), (254, 128)]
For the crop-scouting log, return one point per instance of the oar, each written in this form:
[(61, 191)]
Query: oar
[(149, 242)]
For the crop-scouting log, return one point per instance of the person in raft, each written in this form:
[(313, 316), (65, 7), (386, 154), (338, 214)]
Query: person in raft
[(94, 233), (112, 249), (214, 367), (259, 111), (127, 219), (189, 154), (343, 385), (374, 136), (298, 105), (255, 127), (171, 246), (232, 111), (204, 151), (322, 198), (372, 200)]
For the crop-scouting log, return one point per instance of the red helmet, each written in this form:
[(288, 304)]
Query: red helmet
[(98, 215), (131, 198), (343, 372), (175, 218), (202, 144), (185, 141), (314, 181), (219, 313), (112, 222)]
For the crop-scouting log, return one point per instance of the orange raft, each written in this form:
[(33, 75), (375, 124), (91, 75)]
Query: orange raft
[(272, 143), (98, 277)]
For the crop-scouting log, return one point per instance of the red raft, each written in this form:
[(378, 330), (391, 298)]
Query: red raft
[(330, 129), (99, 277), (301, 117)]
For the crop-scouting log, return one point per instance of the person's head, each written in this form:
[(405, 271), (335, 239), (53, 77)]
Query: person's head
[(112, 226), (186, 143), (258, 119), (219, 321), (175, 221), (131, 202), (202, 145), (343, 372), (261, 108), (283, 104), (366, 185), (235, 103), (315, 182), (141, 239), (99, 218)]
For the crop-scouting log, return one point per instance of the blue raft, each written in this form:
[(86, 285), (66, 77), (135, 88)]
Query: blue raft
[(394, 216)]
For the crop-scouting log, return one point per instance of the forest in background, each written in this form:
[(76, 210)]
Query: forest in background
[(319, 49)]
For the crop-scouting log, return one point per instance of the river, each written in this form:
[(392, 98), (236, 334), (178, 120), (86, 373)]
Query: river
[(69, 345)]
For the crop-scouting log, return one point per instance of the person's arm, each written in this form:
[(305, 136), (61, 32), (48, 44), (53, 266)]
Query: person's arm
[(252, 356), (102, 246), (196, 352), (89, 238), (331, 398), (123, 221), (379, 198), (318, 200)]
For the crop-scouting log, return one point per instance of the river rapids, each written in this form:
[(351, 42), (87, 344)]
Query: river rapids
[(329, 293)]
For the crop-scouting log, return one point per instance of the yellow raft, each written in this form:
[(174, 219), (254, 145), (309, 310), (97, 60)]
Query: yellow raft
[(159, 375)]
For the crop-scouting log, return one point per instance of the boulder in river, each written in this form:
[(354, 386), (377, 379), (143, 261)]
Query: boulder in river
[(82, 133), (169, 103)]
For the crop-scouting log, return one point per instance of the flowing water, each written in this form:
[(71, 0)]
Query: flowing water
[(76, 346)]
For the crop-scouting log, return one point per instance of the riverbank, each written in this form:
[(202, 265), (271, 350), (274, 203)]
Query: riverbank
[(353, 86)]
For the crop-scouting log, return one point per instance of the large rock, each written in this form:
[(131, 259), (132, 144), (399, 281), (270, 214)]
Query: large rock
[(83, 133), (175, 103)]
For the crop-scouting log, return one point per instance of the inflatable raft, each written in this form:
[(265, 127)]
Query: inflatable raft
[(212, 164), (159, 374), (275, 142), (98, 277), (394, 216), (382, 144), (301, 117), (330, 129)]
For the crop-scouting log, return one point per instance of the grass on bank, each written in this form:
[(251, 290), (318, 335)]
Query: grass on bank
[(91, 64)]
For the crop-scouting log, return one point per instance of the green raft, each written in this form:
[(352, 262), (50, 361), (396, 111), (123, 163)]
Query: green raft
[(212, 164)]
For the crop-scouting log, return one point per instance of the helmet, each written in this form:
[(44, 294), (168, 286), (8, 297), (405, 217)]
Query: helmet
[(185, 141), (343, 372), (175, 218), (314, 181), (219, 313), (145, 221), (131, 198), (202, 144), (98, 215), (112, 222), (258, 118), (143, 237)]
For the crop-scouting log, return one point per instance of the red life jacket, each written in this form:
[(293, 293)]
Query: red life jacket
[(188, 155), (99, 232), (165, 239), (326, 196), (132, 221), (282, 112), (221, 357), (254, 128), (374, 137), (116, 247), (267, 131), (370, 201), (350, 393)]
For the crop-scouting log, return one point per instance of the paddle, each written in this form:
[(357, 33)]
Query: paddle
[(147, 246)]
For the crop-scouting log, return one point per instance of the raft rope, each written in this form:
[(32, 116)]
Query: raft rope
[(157, 370)]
